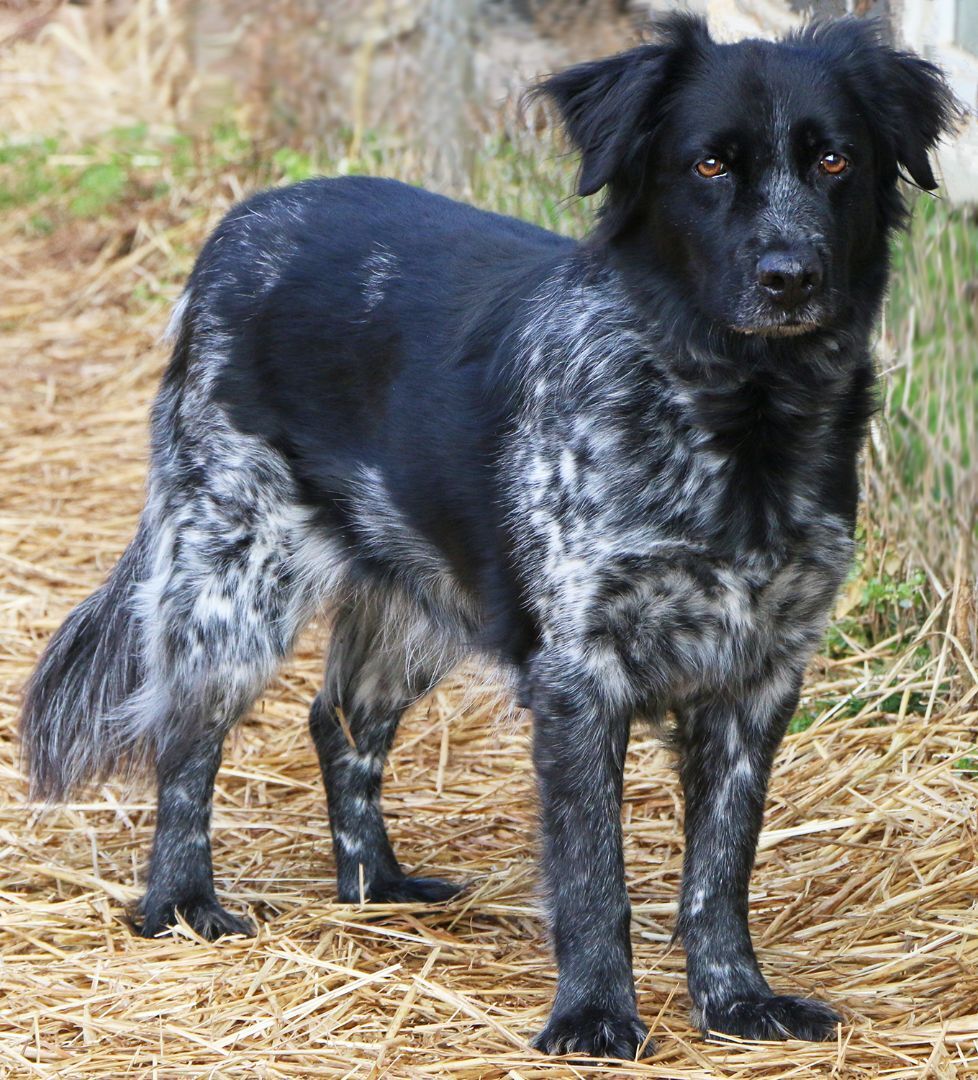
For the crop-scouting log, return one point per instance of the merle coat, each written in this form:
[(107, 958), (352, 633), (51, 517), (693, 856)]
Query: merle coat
[(624, 468)]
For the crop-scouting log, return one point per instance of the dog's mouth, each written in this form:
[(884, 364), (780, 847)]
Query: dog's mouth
[(767, 320), (788, 328)]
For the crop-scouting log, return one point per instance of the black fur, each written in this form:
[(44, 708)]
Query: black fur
[(625, 469)]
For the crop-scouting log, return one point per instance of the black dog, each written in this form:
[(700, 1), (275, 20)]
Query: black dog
[(625, 468)]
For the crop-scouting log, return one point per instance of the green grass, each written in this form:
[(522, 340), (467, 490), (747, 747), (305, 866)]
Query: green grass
[(62, 182), (932, 396), (90, 181)]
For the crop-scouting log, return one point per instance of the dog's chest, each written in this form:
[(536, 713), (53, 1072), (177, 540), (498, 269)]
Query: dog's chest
[(643, 535)]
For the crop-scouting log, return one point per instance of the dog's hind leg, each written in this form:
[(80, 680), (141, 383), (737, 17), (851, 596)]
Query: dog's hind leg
[(384, 655), (181, 877), (221, 612)]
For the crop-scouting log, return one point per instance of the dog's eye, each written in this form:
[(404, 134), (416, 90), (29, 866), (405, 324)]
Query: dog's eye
[(711, 167), (833, 164)]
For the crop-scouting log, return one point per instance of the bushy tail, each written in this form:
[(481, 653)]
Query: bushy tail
[(72, 727)]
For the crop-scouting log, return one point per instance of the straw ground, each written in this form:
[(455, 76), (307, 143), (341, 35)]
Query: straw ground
[(867, 875)]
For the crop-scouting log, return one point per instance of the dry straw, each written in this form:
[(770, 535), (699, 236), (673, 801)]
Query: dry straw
[(866, 878)]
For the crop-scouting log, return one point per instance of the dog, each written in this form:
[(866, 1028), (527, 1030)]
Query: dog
[(624, 468)]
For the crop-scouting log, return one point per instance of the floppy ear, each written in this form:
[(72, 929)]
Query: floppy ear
[(602, 105), (909, 104), (608, 106), (925, 110)]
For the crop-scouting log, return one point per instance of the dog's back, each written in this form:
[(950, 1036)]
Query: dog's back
[(376, 359)]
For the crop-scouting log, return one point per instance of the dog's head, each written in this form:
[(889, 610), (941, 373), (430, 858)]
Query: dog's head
[(759, 179)]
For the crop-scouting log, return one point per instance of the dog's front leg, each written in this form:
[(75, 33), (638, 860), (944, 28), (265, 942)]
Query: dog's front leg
[(579, 749), (727, 749)]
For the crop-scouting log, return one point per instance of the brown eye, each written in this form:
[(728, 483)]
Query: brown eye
[(833, 164), (711, 167)]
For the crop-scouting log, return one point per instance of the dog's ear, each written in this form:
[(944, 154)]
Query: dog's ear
[(602, 105), (925, 109), (608, 106), (908, 102)]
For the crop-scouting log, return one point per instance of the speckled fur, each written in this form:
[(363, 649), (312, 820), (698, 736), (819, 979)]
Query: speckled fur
[(460, 435)]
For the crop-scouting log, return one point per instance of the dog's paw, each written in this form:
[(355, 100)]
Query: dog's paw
[(406, 890), (594, 1033), (776, 1017), (204, 916), (425, 890)]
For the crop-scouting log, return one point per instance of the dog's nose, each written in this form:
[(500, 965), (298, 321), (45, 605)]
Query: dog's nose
[(789, 277)]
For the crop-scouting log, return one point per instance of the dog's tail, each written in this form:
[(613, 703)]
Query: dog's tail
[(85, 705), (75, 727)]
